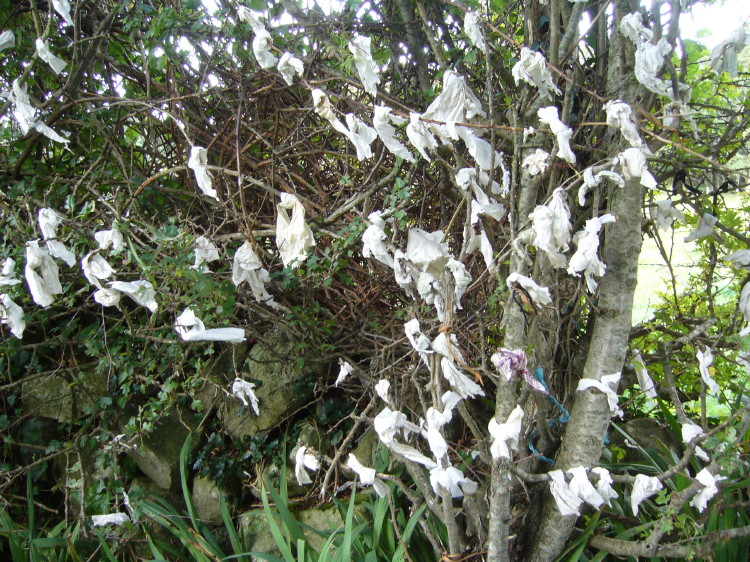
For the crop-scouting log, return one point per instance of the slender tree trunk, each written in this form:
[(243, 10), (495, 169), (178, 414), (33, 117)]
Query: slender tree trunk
[(505, 400), (590, 415)]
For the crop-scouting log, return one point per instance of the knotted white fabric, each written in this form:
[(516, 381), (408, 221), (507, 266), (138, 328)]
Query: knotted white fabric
[(293, 236)]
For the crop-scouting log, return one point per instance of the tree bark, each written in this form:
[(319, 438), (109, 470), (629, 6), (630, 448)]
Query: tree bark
[(590, 415)]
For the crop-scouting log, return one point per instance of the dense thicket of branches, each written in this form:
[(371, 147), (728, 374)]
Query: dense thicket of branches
[(147, 82)]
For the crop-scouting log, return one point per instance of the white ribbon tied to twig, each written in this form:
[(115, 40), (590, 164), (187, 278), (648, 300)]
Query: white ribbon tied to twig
[(141, 291), (289, 66), (198, 162), (643, 488), (192, 328), (359, 46), (205, 252), (473, 30), (453, 481), (12, 316), (566, 501), (110, 239), (245, 392), (607, 386), (8, 273), (42, 49), (581, 486), (505, 435), (551, 225), (304, 461), (562, 132), (62, 7), (586, 259), (381, 121), (293, 236), (367, 476), (705, 360), (96, 268), (49, 220), (536, 162), (246, 267), (42, 274), (532, 69)]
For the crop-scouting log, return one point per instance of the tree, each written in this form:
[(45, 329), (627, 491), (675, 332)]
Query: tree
[(451, 198)]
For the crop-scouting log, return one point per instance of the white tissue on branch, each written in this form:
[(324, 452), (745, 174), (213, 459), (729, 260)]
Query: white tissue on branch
[(705, 360), (505, 435), (192, 328), (7, 40), (562, 132), (724, 55), (473, 30), (110, 238), (322, 106), (205, 252), (703, 229), (246, 267), (345, 369), (12, 316), (360, 135), (110, 518), (644, 380), (536, 162), (551, 225), (141, 291), (198, 162), (293, 236), (42, 49), (585, 260), (567, 502), (453, 481), (8, 273), (382, 388), (359, 46), (540, 295), (690, 431), (591, 180), (419, 136), (608, 386), (745, 307), (644, 487), (42, 274), (62, 7), (620, 115), (532, 69), (49, 220), (96, 268), (262, 43), (373, 240), (245, 391), (634, 165), (381, 121), (303, 461), (390, 422), (664, 214), (289, 66), (581, 486), (455, 104), (604, 485), (700, 500), (367, 476)]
